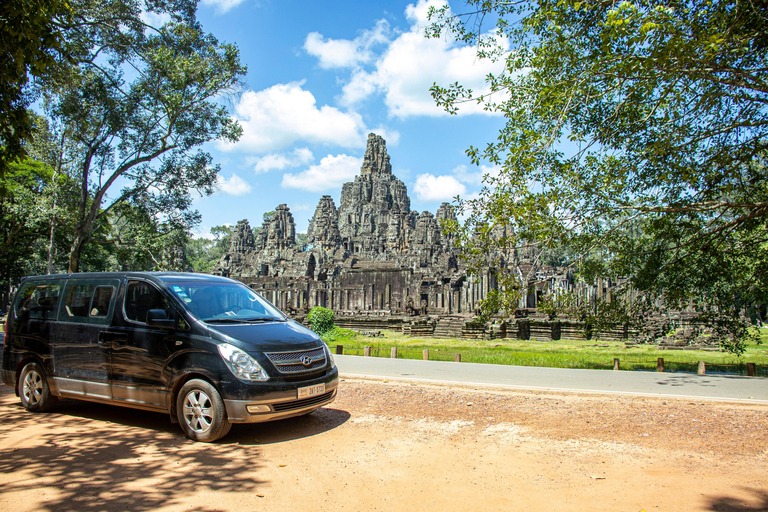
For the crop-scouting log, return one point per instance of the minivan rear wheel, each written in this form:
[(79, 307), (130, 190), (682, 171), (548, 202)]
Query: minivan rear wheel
[(34, 392), (201, 412)]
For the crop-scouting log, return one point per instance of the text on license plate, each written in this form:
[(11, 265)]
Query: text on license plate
[(308, 391)]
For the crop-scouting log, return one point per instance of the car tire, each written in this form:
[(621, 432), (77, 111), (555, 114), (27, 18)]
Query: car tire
[(201, 412), (34, 392)]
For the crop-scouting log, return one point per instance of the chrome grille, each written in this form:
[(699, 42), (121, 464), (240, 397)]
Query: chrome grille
[(291, 362)]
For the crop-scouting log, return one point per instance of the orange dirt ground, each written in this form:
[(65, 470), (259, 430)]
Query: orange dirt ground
[(397, 446)]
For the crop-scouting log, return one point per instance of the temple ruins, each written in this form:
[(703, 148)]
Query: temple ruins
[(378, 264)]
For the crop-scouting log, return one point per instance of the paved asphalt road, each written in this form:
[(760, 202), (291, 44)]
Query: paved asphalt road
[(751, 389), (721, 387)]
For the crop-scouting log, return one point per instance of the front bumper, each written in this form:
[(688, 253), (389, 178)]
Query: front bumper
[(277, 406)]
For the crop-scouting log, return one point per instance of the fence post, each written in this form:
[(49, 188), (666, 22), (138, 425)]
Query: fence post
[(367, 350), (457, 358), (751, 370), (425, 354), (615, 363), (660, 364), (393, 353), (702, 368), (339, 349)]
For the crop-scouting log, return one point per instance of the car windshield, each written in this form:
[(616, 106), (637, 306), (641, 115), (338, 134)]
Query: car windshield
[(224, 302)]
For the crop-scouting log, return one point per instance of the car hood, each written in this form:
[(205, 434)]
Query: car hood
[(270, 336)]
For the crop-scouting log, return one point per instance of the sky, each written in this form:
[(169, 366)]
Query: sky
[(321, 76)]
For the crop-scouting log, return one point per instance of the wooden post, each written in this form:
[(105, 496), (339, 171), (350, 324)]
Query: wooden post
[(457, 358), (425, 354), (751, 370), (393, 353), (367, 351), (702, 368), (660, 364), (339, 349), (615, 363)]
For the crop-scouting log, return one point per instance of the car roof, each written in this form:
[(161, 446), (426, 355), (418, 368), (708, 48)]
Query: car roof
[(154, 276)]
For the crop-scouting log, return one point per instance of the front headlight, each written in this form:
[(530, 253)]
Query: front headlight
[(330, 356), (243, 366)]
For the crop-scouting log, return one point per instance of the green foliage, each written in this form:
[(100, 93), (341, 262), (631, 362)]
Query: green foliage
[(635, 138), (30, 39), (203, 254), (321, 320), (144, 132)]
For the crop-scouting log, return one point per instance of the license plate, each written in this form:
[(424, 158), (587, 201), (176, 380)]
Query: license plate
[(309, 391)]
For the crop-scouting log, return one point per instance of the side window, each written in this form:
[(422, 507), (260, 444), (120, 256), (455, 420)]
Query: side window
[(102, 296), (38, 301), (88, 302), (140, 297), (78, 299)]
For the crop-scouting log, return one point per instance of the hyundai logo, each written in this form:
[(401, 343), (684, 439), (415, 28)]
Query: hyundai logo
[(306, 361)]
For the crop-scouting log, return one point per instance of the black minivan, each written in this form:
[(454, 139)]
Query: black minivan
[(208, 350)]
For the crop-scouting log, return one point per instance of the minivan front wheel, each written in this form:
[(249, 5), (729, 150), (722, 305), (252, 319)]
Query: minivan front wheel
[(33, 389), (201, 412)]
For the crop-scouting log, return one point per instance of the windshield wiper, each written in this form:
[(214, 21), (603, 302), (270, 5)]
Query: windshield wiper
[(264, 319), (227, 320)]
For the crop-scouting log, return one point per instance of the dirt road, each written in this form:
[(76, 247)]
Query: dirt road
[(397, 446)]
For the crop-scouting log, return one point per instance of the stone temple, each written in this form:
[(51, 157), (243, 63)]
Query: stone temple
[(379, 264), (370, 256)]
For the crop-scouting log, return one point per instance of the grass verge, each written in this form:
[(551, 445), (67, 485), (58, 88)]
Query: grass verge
[(585, 354)]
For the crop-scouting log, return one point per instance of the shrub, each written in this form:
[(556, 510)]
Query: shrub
[(321, 320)]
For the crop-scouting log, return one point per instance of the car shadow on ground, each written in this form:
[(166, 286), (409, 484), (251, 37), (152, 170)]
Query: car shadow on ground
[(322, 420), (758, 503), (91, 457)]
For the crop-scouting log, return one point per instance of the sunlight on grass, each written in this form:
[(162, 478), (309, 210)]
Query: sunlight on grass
[(587, 354)]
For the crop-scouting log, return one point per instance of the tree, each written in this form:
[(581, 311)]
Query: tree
[(24, 220), (138, 104), (30, 45), (635, 136), (203, 254)]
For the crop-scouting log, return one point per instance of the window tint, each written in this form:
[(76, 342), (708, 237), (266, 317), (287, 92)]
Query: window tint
[(38, 301), (87, 302), (78, 299), (101, 299), (140, 297)]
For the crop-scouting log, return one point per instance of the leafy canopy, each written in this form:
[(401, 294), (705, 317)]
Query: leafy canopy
[(137, 104), (635, 137)]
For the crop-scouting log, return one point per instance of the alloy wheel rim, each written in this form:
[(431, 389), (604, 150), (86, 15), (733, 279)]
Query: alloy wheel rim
[(198, 411), (33, 387)]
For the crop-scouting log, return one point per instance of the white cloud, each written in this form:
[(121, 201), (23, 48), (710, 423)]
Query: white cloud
[(154, 19), (409, 66), (345, 53), (222, 6), (474, 175), (437, 188), (234, 186), (301, 207), (279, 161), (330, 174), (275, 118)]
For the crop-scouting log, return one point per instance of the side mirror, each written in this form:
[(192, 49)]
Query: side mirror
[(159, 318)]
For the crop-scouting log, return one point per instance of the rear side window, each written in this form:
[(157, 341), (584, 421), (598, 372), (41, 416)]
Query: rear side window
[(38, 301), (140, 297), (88, 301)]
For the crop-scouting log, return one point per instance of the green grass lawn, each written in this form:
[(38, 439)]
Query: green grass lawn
[(591, 354)]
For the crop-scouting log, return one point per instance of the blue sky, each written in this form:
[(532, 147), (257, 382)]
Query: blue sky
[(321, 76)]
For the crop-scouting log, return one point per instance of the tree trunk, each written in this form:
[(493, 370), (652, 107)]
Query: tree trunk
[(74, 253)]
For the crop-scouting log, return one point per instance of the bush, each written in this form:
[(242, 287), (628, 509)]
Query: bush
[(321, 320)]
